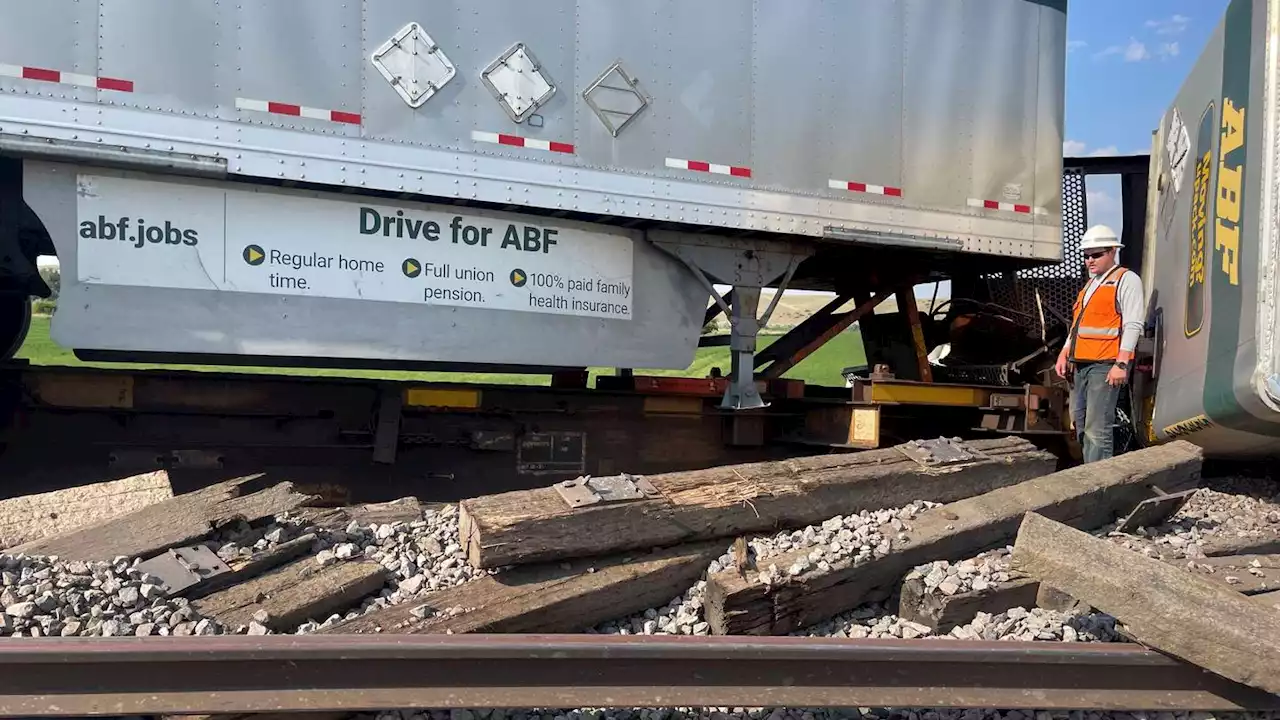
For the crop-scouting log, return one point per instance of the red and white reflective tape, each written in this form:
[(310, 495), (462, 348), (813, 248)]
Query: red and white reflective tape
[(1006, 206), (23, 72), (279, 108), (517, 141), (700, 166), (864, 188)]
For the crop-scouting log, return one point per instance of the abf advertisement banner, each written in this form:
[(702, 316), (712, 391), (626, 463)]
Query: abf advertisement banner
[(154, 234)]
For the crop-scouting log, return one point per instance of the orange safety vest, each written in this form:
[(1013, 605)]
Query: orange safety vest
[(1095, 328)]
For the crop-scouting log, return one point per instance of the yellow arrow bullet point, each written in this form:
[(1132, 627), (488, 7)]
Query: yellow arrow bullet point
[(254, 255)]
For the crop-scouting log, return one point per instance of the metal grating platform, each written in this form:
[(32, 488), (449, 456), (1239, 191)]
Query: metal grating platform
[(1058, 284)]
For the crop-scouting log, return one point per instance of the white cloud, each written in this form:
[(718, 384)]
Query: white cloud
[(1074, 45), (1169, 26), (1134, 51), (1104, 208), (1102, 200), (1168, 50), (1076, 148)]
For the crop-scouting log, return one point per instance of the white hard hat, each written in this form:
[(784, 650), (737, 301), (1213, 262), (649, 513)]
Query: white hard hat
[(1099, 236)]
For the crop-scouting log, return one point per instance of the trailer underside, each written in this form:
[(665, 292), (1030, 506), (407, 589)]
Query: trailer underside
[(366, 440)]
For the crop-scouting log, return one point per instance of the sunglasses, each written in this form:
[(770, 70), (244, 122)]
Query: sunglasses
[(1096, 254)]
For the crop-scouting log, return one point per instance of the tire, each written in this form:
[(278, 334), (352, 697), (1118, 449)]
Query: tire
[(15, 321)]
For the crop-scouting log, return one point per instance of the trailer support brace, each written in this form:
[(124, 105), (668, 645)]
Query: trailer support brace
[(804, 339), (747, 266), (907, 303)]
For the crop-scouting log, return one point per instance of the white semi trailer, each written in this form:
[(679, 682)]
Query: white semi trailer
[(495, 183)]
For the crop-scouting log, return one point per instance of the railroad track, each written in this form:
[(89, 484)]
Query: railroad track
[(149, 676)]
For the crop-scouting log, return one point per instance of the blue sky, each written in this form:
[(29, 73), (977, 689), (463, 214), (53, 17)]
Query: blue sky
[(1125, 63)]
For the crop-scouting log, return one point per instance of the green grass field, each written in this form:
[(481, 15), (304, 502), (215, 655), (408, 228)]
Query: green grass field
[(821, 368)]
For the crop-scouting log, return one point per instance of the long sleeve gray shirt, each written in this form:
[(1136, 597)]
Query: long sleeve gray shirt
[(1132, 307)]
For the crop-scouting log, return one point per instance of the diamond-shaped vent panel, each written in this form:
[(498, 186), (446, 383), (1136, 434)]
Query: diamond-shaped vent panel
[(519, 82), (414, 65), (616, 98)]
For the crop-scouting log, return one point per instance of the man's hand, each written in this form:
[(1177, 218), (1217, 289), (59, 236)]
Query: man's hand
[(1061, 366), (1116, 376)]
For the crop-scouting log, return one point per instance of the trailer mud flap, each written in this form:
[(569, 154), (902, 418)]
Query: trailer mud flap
[(23, 237)]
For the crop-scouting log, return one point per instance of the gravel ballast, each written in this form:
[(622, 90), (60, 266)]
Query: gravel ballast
[(45, 596), (1220, 511), (857, 536)]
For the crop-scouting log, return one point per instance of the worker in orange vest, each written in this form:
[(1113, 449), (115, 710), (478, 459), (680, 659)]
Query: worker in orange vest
[(1105, 327)]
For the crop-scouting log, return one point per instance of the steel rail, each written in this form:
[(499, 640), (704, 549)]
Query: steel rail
[(150, 676)]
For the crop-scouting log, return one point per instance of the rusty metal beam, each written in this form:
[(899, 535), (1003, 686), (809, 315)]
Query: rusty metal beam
[(796, 337), (907, 304), (715, 311), (804, 339), (150, 676)]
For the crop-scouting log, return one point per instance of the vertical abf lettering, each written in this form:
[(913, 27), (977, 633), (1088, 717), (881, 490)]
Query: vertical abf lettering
[(1230, 186), (1232, 127)]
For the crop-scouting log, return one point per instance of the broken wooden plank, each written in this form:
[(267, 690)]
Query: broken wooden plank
[(1267, 561), (936, 609), (406, 509), (539, 525), (1086, 496), (181, 520), (1247, 574), (942, 612), (1050, 598), (300, 591), (549, 597), (1264, 544), (193, 571), (244, 569), (1270, 599), (1175, 612), (943, 595), (29, 518)]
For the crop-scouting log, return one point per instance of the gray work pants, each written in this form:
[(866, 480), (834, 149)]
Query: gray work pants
[(1093, 410)]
